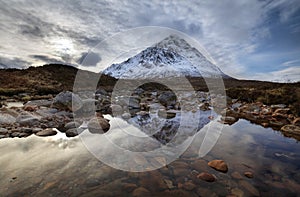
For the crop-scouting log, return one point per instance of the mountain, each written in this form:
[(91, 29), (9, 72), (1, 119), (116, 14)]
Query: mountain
[(171, 57)]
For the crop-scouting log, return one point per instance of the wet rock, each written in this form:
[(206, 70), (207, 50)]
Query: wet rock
[(199, 165), (228, 120), (218, 165), (153, 181), (169, 183), (140, 192), (237, 192), (67, 101), (46, 132), (71, 125), (249, 188), (206, 192), (98, 125), (206, 177), (282, 111), (248, 174), (291, 129), (236, 175), (189, 185), (129, 187), (27, 119)]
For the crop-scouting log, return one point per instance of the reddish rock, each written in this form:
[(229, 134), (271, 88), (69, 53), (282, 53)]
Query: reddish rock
[(248, 174), (218, 165), (206, 177)]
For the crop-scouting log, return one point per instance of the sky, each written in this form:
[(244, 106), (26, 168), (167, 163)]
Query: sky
[(248, 39)]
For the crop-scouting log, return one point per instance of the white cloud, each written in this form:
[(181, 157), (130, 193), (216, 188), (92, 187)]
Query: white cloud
[(290, 74)]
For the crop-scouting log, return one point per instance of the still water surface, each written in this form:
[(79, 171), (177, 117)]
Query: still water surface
[(59, 166)]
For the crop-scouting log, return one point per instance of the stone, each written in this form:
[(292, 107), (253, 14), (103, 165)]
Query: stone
[(249, 188), (39, 103), (296, 121), (228, 120), (218, 165), (199, 165), (166, 114), (129, 187), (237, 192), (98, 125), (30, 108), (204, 107), (140, 192), (282, 111), (291, 129), (71, 125), (236, 175), (46, 132), (167, 98), (67, 101), (248, 174), (3, 131), (71, 132), (206, 177), (126, 116), (116, 109), (169, 183), (6, 118), (153, 181), (189, 185), (27, 119)]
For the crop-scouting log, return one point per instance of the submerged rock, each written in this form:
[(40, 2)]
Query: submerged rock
[(218, 165), (206, 177)]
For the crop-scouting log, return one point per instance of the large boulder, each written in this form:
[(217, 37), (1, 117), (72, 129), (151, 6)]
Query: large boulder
[(6, 118), (67, 101)]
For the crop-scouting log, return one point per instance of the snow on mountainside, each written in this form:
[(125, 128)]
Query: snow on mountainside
[(172, 57)]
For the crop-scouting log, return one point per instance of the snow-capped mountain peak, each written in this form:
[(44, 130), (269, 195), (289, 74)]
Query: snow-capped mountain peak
[(172, 57)]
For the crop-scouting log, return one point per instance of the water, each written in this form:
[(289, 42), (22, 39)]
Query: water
[(59, 166)]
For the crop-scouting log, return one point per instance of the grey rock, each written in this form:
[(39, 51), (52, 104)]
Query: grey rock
[(3, 131), (167, 98), (7, 118), (42, 102), (27, 119), (98, 125), (67, 101)]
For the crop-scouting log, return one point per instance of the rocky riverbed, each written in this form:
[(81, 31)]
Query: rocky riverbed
[(67, 112)]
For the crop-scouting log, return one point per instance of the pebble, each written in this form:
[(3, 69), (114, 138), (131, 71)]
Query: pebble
[(218, 165)]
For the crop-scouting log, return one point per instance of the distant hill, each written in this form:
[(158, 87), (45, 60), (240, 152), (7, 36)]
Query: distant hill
[(47, 79)]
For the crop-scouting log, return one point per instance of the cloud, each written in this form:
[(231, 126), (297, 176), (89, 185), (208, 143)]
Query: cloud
[(89, 59), (290, 74), (46, 58)]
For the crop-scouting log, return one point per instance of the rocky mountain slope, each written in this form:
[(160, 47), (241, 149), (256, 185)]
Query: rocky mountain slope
[(172, 57)]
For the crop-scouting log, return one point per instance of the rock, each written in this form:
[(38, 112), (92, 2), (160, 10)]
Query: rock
[(71, 125), (169, 183), (282, 111), (206, 177), (204, 107), (116, 109), (46, 132), (167, 98), (291, 129), (140, 192), (129, 187), (218, 165), (249, 188), (237, 192), (189, 185), (248, 174), (27, 119), (126, 116), (153, 181), (228, 120), (30, 108), (236, 175), (98, 125), (296, 121), (3, 131), (71, 132), (166, 114), (39, 103), (67, 101), (199, 165), (6, 118)]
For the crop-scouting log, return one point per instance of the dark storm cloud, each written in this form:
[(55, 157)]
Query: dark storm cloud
[(89, 59)]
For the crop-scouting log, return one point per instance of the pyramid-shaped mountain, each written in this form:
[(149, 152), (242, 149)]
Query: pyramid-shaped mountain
[(171, 57)]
